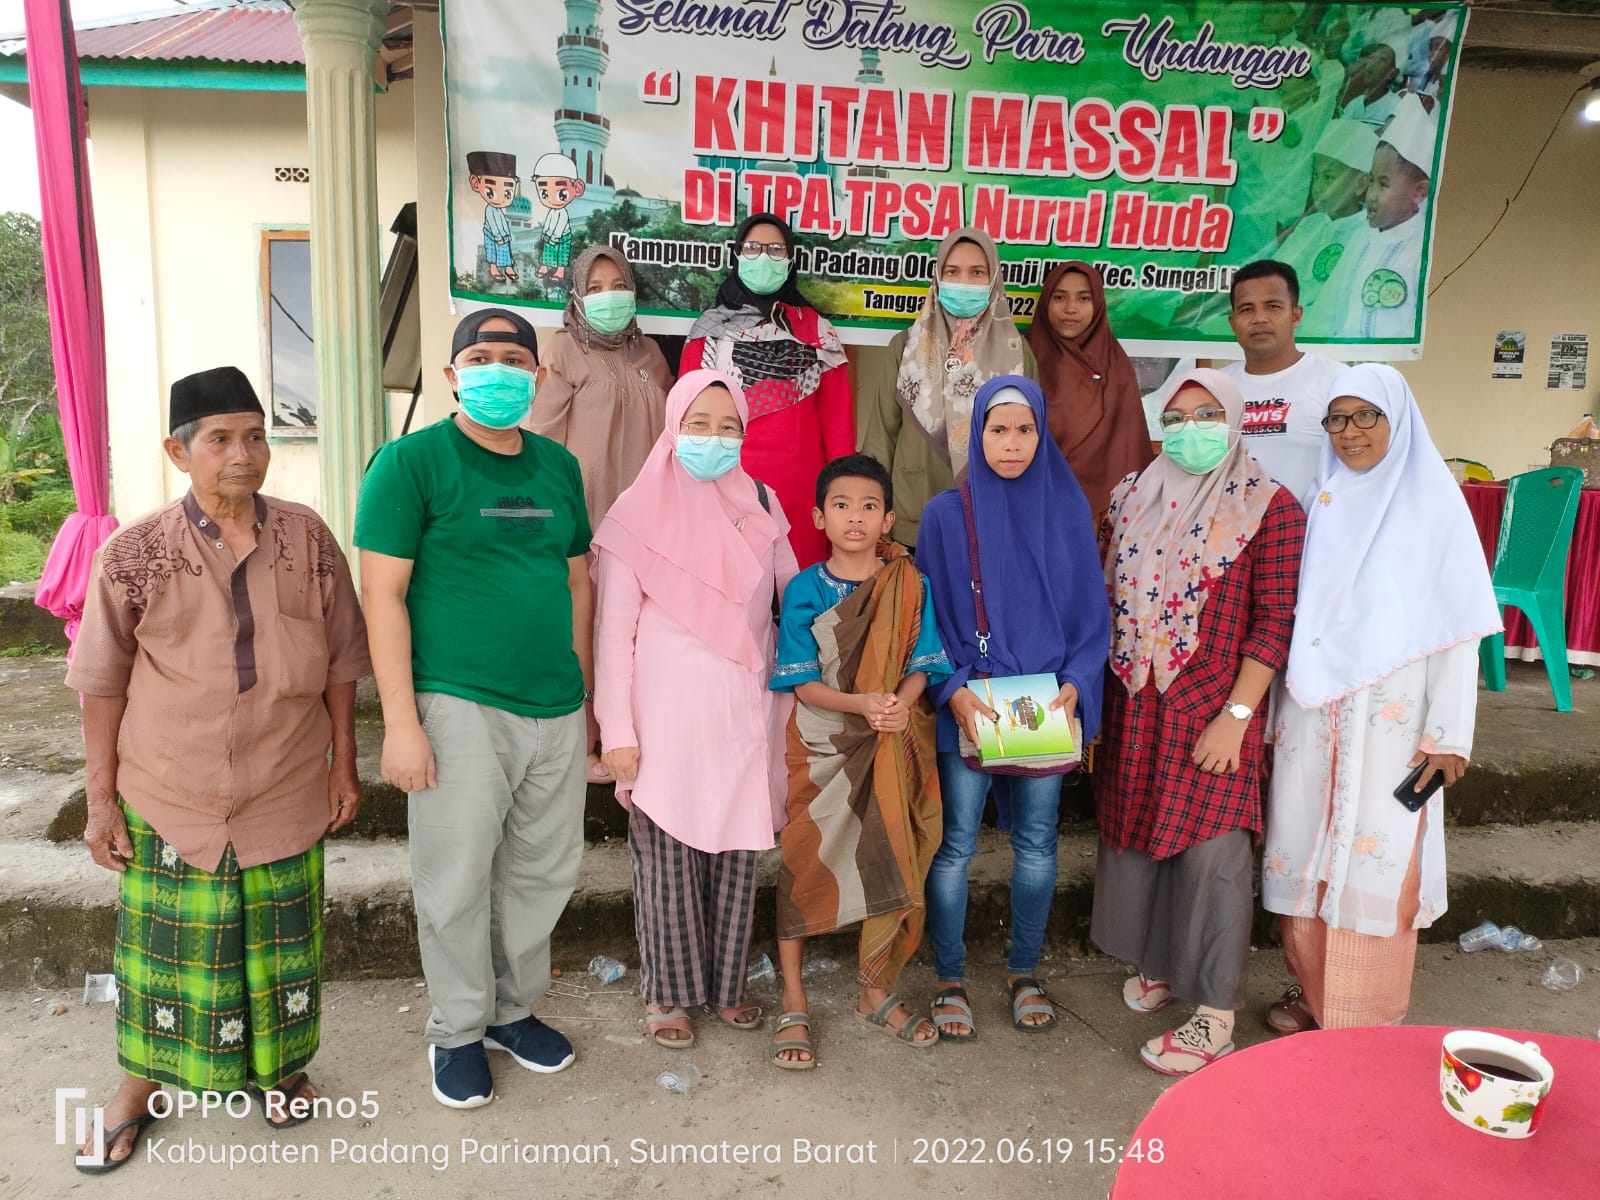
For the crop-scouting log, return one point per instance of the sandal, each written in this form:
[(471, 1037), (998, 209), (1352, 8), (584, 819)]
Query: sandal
[(1028, 998), (879, 1019), (954, 996), (1169, 1045), (290, 1090), (1290, 1014), (656, 1024), (1137, 990), (137, 1123), (778, 1045), (751, 1018)]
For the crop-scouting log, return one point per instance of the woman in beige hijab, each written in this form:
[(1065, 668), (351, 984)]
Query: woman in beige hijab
[(603, 390), (602, 393), (915, 412)]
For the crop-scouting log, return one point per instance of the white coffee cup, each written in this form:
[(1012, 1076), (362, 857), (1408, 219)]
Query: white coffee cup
[(1493, 1084)]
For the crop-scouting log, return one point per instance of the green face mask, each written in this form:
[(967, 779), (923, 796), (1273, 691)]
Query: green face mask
[(609, 312), (1197, 448), (763, 275)]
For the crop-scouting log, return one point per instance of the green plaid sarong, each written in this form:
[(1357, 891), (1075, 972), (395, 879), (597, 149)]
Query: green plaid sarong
[(556, 253), (219, 976)]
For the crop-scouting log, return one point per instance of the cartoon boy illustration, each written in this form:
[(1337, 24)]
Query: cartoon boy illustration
[(556, 177), (493, 175)]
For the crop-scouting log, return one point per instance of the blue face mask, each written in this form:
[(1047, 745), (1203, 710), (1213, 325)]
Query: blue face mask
[(963, 299), (494, 395), (708, 457)]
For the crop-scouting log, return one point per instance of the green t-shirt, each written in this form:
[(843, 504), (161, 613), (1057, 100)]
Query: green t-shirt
[(489, 536)]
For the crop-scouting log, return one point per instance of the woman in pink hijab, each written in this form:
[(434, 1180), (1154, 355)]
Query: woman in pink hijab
[(690, 559)]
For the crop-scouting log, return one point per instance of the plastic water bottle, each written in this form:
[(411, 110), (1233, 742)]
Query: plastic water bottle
[(761, 971), (1480, 937), (819, 964), (1562, 975), (680, 1079), (1510, 938), (606, 970)]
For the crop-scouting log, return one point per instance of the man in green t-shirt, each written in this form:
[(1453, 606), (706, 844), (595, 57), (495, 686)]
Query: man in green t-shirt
[(473, 537)]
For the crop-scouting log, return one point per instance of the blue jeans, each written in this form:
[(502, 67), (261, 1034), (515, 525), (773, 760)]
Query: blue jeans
[(1035, 806)]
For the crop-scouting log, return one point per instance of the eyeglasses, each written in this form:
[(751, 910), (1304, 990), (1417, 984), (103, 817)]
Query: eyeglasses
[(1364, 418), (705, 429), (1200, 416), (775, 250)]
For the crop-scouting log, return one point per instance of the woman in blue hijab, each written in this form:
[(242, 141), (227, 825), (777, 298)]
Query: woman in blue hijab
[(1022, 516)]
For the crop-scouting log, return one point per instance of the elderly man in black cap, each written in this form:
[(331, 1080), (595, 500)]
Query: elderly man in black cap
[(474, 536), (218, 659)]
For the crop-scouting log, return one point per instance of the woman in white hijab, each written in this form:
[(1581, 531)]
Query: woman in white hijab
[(1382, 678)]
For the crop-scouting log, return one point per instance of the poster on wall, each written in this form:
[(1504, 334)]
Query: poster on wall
[(1569, 362), (1168, 144), (1510, 348)]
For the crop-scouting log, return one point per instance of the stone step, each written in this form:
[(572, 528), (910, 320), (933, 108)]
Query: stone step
[(58, 910)]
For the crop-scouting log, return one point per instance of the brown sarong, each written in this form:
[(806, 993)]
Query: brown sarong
[(864, 809)]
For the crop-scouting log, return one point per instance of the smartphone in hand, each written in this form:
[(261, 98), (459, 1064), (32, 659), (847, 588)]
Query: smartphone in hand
[(1407, 794)]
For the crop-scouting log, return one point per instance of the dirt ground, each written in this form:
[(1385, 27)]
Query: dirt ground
[(876, 1105)]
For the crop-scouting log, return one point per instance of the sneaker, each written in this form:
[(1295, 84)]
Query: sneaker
[(461, 1076), (532, 1043)]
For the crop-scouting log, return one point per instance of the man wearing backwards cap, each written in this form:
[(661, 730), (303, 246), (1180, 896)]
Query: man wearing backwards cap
[(473, 537), (218, 658), (1372, 293)]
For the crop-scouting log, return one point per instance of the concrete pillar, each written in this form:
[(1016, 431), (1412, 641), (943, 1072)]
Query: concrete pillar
[(341, 40)]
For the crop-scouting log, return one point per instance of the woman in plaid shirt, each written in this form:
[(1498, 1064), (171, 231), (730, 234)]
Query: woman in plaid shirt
[(1202, 558)]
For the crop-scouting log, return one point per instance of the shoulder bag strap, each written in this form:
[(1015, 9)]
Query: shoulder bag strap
[(983, 630)]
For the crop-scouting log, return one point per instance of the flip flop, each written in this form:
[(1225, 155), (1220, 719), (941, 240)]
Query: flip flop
[(1169, 1046), (107, 1163), (1135, 1003), (754, 1015), (907, 1033), (291, 1089), (953, 997), (1028, 998), (778, 1045), (673, 1018)]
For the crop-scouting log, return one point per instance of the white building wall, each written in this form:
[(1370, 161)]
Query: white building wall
[(183, 184)]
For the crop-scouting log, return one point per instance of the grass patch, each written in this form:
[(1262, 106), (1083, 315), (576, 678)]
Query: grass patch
[(34, 651), (22, 556)]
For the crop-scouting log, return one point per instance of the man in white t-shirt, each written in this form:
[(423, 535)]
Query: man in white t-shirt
[(1285, 388)]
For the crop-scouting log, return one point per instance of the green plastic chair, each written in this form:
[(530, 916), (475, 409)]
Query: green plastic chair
[(1530, 572)]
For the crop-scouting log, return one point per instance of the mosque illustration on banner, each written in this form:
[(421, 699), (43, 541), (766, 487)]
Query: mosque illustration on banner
[(583, 134)]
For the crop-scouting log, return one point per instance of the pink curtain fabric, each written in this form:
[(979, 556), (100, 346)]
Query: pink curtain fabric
[(72, 283)]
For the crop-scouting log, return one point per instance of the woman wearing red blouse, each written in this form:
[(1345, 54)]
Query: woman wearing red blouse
[(790, 363), (1202, 558)]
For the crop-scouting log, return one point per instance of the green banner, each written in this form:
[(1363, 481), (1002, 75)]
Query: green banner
[(1169, 144)]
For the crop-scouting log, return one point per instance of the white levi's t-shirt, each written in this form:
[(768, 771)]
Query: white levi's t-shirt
[(1282, 418)]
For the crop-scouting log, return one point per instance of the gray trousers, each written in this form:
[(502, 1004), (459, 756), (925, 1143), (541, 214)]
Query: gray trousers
[(495, 849)]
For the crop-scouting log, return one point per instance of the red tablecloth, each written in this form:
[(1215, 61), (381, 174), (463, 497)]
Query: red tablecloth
[(1339, 1113), (1488, 502)]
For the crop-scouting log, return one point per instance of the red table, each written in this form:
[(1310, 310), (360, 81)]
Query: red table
[(1340, 1113), (1488, 502)]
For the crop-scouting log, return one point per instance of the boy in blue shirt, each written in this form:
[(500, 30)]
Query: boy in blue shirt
[(858, 645)]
